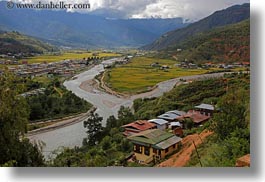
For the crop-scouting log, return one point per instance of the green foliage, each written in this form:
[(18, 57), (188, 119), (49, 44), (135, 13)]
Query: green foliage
[(183, 97), (188, 123), (227, 44), (233, 113), (111, 148), (94, 129), (14, 113), (14, 42), (125, 116), (53, 104), (221, 18), (231, 126)]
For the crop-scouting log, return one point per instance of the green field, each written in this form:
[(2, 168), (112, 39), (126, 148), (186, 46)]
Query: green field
[(67, 55), (139, 76)]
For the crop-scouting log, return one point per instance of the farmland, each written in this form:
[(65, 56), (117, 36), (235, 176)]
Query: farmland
[(139, 76), (66, 55)]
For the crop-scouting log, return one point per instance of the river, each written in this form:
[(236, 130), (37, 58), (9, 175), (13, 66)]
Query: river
[(106, 104)]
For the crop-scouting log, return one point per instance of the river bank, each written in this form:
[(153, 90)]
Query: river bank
[(84, 86), (59, 123)]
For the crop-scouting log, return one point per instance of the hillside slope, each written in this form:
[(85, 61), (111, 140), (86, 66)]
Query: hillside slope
[(227, 44), (85, 30), (14, 42), (224, 17)]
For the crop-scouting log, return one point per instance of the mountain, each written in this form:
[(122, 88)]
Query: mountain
[(224, 17), (14, 42), (226, 44), (85, 30)]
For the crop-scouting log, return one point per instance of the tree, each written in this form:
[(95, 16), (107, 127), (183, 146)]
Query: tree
[(15, 150), (94, 129), (234, 109), (188, 123), (125, 116), (112, 122)]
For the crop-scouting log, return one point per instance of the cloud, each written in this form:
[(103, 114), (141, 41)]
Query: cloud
[(188, 9)]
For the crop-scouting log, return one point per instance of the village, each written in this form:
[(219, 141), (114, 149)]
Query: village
[(156, 139), (190, 65)]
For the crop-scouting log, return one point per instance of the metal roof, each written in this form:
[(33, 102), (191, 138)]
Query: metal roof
[(152, 136), (169, 116), (169, 142), (177, 112), (158, 121), (140, 125), (175, 124), (205, 106)]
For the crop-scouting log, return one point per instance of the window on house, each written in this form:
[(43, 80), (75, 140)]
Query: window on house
[(166, 150), (154, 151), (174, 146), (146, 150), (137, 149)]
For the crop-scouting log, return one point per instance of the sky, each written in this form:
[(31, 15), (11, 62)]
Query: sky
[(190, 10)]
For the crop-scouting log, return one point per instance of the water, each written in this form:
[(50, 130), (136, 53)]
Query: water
[(106, 104)]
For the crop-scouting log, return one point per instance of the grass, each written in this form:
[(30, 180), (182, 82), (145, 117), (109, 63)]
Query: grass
[(67, 55), (43, 79), (138, 76)]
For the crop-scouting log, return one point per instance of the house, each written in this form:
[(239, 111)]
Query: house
[(243, 161), (176, 128), (137, 126), (195, 116), (168, 117), (246, 64), (153, 145), (160, 123), (206, 109), (177, 112)]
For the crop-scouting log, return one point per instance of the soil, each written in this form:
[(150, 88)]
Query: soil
[(181, 158)]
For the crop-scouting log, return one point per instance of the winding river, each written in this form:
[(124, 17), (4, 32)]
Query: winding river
[(106, 104)]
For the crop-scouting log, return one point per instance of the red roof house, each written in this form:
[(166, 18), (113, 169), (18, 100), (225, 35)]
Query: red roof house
[(195, 116), (137, 126)]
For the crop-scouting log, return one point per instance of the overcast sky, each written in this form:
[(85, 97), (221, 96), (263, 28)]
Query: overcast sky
[(188, 9)]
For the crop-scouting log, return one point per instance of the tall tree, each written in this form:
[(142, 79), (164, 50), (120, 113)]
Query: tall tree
[(94, 129), (14, 112)]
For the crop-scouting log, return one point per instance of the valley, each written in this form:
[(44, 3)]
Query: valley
[(83, 90)]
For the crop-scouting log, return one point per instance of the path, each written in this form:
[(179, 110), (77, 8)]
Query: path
[(181, 158)]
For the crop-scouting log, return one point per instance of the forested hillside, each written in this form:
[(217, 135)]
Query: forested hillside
[(228, 16), (228, 44)]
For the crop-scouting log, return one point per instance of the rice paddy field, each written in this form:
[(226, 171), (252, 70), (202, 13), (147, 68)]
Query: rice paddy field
[(139, 76), (66, 55)]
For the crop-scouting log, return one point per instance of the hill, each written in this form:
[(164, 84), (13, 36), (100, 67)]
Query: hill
[(224, 17), (227, 44), (14, 42), (85, 30)]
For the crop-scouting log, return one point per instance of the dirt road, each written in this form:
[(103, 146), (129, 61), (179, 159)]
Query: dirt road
[(181, 158)]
